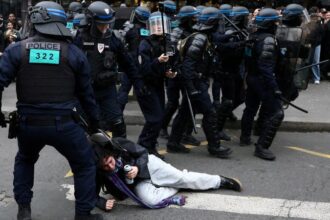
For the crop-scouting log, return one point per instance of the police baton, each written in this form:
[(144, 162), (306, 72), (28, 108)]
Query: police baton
[(309, 66), (235, 26), (161, 7), (191, 112), (293, 105)]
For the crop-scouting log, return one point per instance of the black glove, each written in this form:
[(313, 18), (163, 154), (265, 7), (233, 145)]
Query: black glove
[(278, 94), (93, 127), (192, 91), (3, 123)]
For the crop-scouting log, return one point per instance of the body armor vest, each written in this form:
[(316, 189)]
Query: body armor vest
[(45, 75), (102, 60)]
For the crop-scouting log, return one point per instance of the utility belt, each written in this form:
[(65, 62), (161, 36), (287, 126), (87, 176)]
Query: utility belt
[(104, 79), (34, 120)]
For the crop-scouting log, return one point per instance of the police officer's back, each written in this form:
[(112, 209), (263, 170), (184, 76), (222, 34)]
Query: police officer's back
[(53, 76)]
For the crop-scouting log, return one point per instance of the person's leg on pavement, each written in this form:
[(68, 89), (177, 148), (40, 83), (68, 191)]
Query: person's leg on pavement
[(70, 140), (29, 146), (316, 69)]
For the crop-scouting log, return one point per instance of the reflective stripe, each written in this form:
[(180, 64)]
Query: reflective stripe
[(261, 18)]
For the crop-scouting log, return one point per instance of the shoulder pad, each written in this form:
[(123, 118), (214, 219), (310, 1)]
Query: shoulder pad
[(197, 46), (176, 34), (268, 48)]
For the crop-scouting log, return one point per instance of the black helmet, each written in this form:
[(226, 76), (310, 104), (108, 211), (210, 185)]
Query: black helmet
[(225, 9), (266, 19), (105, 146), (209, 18), (187, 13), (100, 13), (79, 20), (169, 7), (75, 7), (200, 8), (239, 15), (292, 14), (142, 14), (49, 18)]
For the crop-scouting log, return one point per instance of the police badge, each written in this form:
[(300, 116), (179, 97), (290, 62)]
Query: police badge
[(100, 47)]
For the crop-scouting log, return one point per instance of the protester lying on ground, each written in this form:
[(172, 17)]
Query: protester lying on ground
[(149, 181)]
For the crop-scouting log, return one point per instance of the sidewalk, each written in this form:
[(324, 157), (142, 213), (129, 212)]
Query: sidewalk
[(315, 100)]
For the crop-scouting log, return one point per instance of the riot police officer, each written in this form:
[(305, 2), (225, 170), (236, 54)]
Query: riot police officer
[(52, 77), (134, 32), (74, 9), (230, 46), (187, 17), (225, 9), (261, 58), (197, 56), (106, 54), (153, 69)]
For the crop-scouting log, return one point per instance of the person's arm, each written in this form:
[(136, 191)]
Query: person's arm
[(139, 155), (266, 63), (84, 88)]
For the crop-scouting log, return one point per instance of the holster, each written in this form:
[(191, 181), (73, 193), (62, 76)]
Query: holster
[(13, 125)]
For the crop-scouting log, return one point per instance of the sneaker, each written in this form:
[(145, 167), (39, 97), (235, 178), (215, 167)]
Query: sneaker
[(24, 212), (189, 139), (317, 82), (230, 183)]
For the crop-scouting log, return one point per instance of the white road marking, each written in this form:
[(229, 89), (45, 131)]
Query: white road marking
[(70, 193), (246, 205)]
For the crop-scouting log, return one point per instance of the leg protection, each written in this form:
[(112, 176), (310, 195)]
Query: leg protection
[(270, 129), (169, 112), (223, 112), (209, 125)]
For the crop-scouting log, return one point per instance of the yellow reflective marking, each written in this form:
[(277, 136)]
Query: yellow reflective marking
[(314, 153), (189, 146), (162, 152), (109, 133), (204, 143), (69, 174)]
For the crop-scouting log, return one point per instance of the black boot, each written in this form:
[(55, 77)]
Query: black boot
[(89, 217), (268, 134), (189, 139), (231, 184), (164, 134), (177, 148), (210, 129), (245, 141), (24, 212), (223, 136), (220, 152), (118, 128), (155, 152), (264, 153)]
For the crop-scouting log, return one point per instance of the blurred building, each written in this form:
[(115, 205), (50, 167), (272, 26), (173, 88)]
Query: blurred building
[(19, 7)]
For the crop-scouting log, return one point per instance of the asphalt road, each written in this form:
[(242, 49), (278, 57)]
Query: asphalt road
[(296, 185)]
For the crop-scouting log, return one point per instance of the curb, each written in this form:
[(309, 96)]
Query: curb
[(292, 126)]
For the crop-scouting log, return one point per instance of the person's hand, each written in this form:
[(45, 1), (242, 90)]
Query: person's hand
[(170, 74), (109, 204), (133, 173), (2, 120), (163, 58)]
